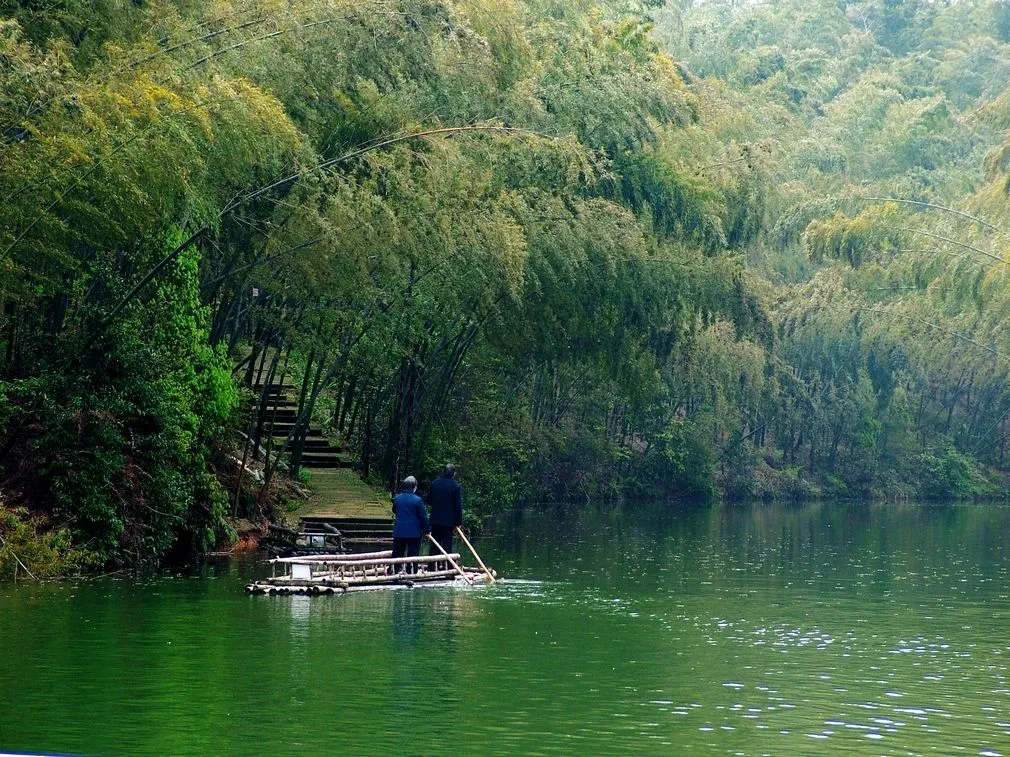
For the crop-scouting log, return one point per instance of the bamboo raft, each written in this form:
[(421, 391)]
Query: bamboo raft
[(341, 573)]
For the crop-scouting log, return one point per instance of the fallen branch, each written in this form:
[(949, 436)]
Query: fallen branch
[(23, 566)]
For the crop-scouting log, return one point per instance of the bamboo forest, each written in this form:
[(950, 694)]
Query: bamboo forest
[(504, 377), (587, 251)]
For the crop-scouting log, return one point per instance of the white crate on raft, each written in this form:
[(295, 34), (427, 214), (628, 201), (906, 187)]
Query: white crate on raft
[(301, 570)]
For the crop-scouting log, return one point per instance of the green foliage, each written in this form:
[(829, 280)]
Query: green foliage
[(676, 464), (128, 424), (29, 547), (871, 234), (517, 234), (947, 474)]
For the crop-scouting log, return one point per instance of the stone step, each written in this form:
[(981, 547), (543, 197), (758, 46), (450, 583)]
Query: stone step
[(365, 534), (318, 453), (274, 389), (313, 444), (350, 536), (319, 445), (314, 447), (281, 431), (347, 522), (327, 461), (358, 529), (282, 414), (283, 428), (282, 403)]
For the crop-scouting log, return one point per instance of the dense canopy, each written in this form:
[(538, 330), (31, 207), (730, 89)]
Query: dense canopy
[(582, 250)]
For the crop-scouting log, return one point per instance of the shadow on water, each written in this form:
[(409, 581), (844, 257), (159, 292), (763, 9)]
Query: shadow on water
[(786, 630)]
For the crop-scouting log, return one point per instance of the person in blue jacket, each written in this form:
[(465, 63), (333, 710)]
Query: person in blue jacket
[(411, 523), (445, 501)]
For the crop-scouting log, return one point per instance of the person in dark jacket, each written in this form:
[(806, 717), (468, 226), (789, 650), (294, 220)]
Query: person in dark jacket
[(410, 524), (445, 501)]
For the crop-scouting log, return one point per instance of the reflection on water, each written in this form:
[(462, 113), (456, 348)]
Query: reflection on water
[(300, 608), (753, 630)]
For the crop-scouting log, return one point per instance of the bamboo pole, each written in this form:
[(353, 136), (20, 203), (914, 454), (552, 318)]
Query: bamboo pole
[(449, 558), (381, 558), (346, 557), (476, 556), (379, 571), (371, 580)]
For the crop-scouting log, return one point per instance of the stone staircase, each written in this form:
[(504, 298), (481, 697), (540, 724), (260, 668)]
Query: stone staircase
[(281, 414), (353, 531), (339, 498)]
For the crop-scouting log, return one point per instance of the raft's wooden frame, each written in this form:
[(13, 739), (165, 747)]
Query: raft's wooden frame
[(328, 574)]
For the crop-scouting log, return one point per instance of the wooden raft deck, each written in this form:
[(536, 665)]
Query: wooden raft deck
[(341, 573)]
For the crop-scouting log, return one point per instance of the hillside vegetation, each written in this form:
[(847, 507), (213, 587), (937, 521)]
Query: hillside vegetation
[(581, 250)]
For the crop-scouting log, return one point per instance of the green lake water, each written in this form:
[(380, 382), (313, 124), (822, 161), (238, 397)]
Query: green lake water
[(817, 629)]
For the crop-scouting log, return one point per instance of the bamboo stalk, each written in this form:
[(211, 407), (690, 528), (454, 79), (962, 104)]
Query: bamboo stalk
[(476, 556), (449, 558), (383, 560), (350, 557), (340, 570), (379, 571)]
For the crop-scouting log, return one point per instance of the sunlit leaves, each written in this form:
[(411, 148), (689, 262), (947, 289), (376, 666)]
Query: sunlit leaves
[(869, 235)]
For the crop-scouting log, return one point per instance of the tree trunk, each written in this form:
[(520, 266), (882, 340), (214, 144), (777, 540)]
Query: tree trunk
[(348, 397)]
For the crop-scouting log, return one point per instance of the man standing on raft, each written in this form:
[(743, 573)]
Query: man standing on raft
[(445, 504), (411, 523)]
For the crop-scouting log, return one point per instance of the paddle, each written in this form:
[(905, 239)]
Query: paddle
[(479, 561), (451, 561)]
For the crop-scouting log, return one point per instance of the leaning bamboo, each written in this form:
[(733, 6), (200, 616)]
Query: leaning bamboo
[(18, 559), (335, 558), (449, 558), (476, 556), (369, 561)]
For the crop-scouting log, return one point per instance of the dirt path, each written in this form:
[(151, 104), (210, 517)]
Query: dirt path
[(338, 492)]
